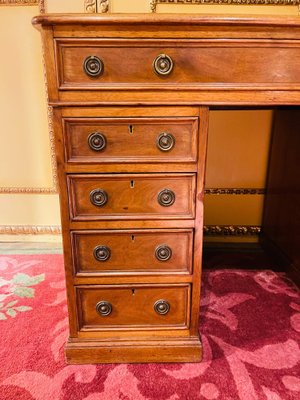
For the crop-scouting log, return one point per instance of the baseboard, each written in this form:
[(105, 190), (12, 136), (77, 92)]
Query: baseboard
[(285, 263), (232, 247)]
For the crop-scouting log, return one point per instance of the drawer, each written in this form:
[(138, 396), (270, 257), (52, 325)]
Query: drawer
[(137, 251), (135, 307), (130, 63), (94, 140), (134, 196)]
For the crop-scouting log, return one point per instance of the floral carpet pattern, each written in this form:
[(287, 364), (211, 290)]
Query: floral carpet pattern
[(250, 327)]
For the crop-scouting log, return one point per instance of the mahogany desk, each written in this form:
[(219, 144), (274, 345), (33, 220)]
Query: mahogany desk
[(131, 96)]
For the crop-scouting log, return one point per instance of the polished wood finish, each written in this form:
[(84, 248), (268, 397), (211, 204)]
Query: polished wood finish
[(237, 59), (196, 64), (131, 140), (131, 196), (218, 61), (281, 234), (133, 307), (176, 350), (133, 251)]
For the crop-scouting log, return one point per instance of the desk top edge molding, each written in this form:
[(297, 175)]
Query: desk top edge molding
[(168, 19)]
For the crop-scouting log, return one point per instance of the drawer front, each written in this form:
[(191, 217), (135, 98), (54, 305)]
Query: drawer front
[(135, 196), (155, 251), (131, 64), (97, 140), (135, 307)]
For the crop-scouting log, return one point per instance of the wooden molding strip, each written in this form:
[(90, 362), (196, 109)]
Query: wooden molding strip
[(155, 3)]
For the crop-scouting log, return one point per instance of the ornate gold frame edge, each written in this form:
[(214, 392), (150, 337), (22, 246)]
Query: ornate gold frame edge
[(30, 230), (235, 191), (209, 230), (155, 3), (231, 230), (96, 6), (53, 190), (19, 2), (37, 190)]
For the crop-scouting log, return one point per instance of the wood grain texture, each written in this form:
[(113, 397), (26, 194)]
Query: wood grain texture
[(133, 251), (197, 63), (167, 20), (199, 220), (134, 351), (216, 96), (224, 60), (131, 140), (282, 211), (128, 278), (64, 214), (218, 62), (133, 307), (131, 196), (130, 224)]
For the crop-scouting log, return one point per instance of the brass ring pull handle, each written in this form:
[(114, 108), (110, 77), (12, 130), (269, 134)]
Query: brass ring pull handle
[(98, 197), (104, 308), (162, 307), (165, 141), (163, 253), (93, 66), (97, 141), (163, 65), (166, 198), (102, 253)]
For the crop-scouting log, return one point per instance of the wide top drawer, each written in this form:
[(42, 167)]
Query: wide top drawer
[(130, 64)]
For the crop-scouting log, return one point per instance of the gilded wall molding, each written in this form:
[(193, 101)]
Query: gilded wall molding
[(96, 6), (209, 230), (27, 190), (210, 191), (30, 230), (19, 2), (231, 230), (235, 191), (37, 190), (42, 6), (155, 3)]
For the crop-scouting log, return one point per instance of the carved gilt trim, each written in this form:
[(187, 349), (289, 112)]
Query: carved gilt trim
[(209, 230), (42, 6), (154, 3), (231, 230), (27, 190), (235, 191), (96, 6), (30, 230), (54, 188), (19, 2)]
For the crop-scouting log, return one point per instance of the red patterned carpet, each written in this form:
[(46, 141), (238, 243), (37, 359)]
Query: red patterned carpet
[(250, 330)]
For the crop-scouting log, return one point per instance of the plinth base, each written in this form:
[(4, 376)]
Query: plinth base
[(179, 350)]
